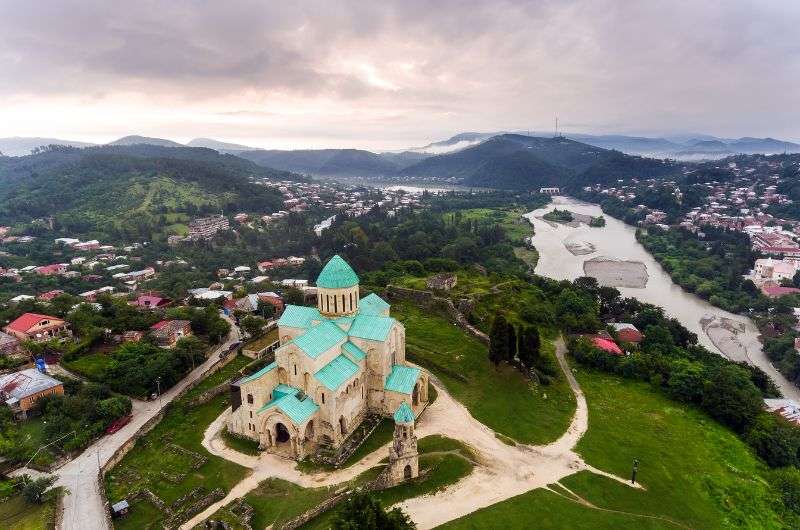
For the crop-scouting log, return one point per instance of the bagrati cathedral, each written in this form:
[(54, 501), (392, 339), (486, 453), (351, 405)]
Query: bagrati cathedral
[(336, 363)]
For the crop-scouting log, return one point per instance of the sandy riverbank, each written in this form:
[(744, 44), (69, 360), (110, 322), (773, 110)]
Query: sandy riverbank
[(614, 272)]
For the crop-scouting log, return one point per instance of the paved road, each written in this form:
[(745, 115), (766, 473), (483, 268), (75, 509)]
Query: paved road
[(83, 507)]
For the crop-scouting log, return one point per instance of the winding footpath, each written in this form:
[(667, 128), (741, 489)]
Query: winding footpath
[(83, 506), (502, 472)]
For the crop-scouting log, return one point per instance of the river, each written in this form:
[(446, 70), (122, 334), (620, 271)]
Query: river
[(736, 336)]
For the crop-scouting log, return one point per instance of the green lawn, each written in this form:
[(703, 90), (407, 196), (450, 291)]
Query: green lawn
[(155, 464), (499, 397), (220, 376), (275, 501), (262, 341), (697, 474), (91, 365), (442, 461), (16, 514), (241, 444)]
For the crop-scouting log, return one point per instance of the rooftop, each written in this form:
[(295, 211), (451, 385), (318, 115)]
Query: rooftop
[(337, 274), (19, 385), (402, 379), (404, 414)]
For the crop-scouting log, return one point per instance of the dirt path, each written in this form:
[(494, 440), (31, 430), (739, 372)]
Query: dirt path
[(502, 471)]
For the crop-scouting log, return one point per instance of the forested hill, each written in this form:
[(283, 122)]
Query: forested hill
[(130, 192), (514, 161), (326, 162)]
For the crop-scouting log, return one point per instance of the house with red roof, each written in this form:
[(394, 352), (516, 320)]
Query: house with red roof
[(151, 301), (51, 270), (607, 345), (50, 295), (168, 332), (627, 332), (37, 327)]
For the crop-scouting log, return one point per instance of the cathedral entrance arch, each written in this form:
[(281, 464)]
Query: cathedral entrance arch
[(342, 425), (407, 472), (415, 395), (281, 433), (310, 430)]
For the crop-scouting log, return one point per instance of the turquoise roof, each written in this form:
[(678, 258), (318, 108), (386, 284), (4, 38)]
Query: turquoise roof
[(337, 274), (298, 316), (284, 390), (357, 353), (404, 414), (371, 327), (402, 379), (336, 372), (320, 339), (372, 304), (298, 410), (271, 366)]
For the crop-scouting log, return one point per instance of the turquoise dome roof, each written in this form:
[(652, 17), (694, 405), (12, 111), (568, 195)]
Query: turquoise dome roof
[(337, 274), (404, 414)]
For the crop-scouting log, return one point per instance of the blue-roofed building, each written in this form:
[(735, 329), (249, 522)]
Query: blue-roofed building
[(337, 363)]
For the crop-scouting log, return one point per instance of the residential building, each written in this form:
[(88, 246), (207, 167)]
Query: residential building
[(22, 390), (168, 332), (36, 327), (207, 227)]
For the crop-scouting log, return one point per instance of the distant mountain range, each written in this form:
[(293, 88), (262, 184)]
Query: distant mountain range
[(686, 147), (503, 160), (517, 161)]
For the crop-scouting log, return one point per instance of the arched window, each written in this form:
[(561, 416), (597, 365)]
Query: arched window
[(344, 310), (250, 398), (323, 398), (295, 369), (351, 300), (335, 305)]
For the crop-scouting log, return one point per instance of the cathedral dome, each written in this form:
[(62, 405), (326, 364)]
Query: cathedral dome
[(337, 274)]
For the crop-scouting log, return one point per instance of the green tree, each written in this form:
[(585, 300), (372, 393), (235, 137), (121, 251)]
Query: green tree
[(363, 512), (36, 489), (253, 325), (731, 397), (529, 344), (499, 345)]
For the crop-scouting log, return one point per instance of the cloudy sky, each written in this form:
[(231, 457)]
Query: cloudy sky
[(388, 75)]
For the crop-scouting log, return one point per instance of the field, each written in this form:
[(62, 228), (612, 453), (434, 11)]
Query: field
[(498, 397), (697, 474), (170, 460)]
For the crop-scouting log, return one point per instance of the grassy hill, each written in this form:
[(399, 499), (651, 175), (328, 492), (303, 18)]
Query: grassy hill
[(124, 192), (515, 161)]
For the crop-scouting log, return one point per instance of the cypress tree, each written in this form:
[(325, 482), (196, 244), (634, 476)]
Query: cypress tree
[(529, 347), (498, 340)]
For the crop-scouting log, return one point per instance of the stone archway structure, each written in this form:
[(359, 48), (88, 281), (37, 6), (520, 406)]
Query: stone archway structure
[(277, 434)]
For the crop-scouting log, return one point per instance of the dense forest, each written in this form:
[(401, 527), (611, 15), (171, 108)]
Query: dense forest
[(130, 193)]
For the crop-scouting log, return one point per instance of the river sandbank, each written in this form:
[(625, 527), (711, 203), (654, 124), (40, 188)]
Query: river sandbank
[(612, 272)]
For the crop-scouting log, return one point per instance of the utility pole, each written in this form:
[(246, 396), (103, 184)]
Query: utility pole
[(158, 383), (635, 469)]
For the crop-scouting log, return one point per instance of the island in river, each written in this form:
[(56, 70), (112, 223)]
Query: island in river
[(616, 258)]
